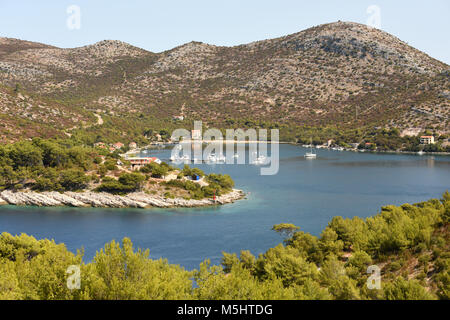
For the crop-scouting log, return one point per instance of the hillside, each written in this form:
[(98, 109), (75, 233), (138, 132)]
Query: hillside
[(340, 74), (23, 115)]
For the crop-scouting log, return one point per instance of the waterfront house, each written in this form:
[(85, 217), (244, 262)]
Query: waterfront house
[(426, 140), (138, 162), (100, 145), (118, 145), (132, 145)]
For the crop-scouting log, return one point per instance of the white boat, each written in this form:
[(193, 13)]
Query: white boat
[(211, 158), (420, 153), (184, 158), (260, 160), (311, 154)]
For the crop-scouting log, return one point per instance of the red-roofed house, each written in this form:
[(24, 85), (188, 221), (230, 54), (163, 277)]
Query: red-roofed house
[(118, 145), (142, 161), (100, 145)]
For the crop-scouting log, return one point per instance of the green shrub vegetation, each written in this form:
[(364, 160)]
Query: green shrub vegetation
[(157, 170), (127, 182), (45, 165), (410, 243), (217, 184)]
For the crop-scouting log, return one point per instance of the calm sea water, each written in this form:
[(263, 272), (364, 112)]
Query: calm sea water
[(307, 193)]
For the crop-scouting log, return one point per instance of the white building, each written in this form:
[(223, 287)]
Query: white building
[(196, 134), (426, 140)]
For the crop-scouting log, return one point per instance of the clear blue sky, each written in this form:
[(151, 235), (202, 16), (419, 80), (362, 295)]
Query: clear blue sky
[(161, 25)]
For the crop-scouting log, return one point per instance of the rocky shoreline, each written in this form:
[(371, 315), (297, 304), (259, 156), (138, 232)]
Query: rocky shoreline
[(106, 200)]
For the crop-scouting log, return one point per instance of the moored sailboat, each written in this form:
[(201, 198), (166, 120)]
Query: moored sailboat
[(311, 154)]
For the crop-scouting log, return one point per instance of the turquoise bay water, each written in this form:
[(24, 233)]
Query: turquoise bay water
[(307, 193)]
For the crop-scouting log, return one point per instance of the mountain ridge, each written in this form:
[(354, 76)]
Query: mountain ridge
[(342, 73)]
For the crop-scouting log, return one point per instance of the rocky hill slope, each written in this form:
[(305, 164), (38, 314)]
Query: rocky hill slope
[(341, 74)]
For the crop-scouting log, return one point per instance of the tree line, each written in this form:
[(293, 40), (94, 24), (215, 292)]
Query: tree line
[(409, 243), (46, 164)]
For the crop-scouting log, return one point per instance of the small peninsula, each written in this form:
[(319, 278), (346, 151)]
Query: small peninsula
[(64, 172)]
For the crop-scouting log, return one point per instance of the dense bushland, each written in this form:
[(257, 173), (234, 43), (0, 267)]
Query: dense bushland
[(410, 244)]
